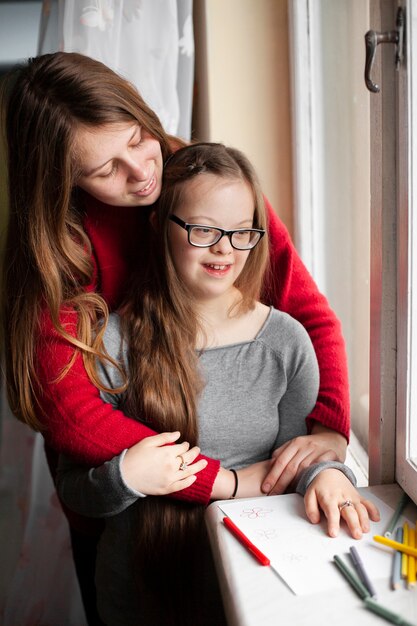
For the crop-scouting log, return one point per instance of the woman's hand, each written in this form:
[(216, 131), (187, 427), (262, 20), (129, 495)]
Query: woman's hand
[(328, 492), (294, 456), (153, 467)]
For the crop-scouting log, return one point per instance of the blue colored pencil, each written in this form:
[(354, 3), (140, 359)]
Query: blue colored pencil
[(360, 570)]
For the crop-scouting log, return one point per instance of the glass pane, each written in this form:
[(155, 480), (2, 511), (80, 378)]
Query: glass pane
[(342, 183)]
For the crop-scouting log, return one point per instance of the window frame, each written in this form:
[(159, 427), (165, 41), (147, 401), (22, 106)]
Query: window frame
[(406, 426)]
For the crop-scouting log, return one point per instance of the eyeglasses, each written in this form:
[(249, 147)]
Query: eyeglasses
[(202, 236)]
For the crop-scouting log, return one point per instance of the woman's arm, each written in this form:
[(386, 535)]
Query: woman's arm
[(78, 423), (292, 457), (290, 288), (110, 488)]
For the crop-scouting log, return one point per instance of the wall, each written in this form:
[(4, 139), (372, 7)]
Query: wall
[(19, 26), (243, 87)]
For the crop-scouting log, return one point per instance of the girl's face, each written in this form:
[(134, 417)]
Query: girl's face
[(121, 164), (211, 201)]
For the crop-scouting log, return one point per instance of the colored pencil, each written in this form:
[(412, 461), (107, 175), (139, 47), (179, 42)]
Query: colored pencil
[(397, 561), (351, 577), (397, 546), (402, 503), (392, 617), (411, 574), (360, 570), (245, 541), (404, 558)]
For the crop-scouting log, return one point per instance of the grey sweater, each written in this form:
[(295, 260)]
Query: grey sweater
[(257, 395)]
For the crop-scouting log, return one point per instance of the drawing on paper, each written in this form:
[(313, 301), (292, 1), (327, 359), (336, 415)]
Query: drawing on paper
[(255, 512)]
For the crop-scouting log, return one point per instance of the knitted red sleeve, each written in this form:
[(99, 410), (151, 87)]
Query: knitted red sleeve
[(77, 421), (291, 288)]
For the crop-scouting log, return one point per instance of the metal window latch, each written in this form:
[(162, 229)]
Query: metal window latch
[(372, 39)]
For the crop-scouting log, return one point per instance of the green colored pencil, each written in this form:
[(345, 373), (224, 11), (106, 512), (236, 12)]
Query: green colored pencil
[(390, 616), (403, 501), (351, 577)]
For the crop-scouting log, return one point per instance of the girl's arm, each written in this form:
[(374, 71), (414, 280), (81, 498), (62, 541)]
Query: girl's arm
[(326, 489), (78, 423)]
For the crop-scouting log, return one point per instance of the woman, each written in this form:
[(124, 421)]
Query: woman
[(85, 156)]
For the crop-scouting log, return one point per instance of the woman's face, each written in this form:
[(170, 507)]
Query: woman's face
[(121, 164)]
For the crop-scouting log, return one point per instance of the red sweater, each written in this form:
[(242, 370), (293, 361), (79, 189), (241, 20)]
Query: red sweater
[(81, 425)]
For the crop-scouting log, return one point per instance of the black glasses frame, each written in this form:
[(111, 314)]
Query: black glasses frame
[(222, 233)]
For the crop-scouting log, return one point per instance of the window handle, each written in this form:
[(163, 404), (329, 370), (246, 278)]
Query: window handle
[(373, 38)]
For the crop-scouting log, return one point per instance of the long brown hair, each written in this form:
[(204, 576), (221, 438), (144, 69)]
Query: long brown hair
[(47, 261), (160, 323)]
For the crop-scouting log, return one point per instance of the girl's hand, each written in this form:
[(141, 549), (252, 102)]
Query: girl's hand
[(249, 481), (294, 456), (328, 491), (251, 478), (153, 467)]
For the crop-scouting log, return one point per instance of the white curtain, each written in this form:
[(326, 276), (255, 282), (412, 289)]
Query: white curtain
[(150, 42)]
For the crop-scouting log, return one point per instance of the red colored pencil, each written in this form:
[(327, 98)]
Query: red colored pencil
[(259, 556)]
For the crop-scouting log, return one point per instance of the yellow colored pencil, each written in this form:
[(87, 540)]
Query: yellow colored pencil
[(396, 545), (404, 558), (411, 574)]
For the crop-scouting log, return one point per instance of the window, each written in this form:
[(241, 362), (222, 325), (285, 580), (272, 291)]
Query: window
[(355, 169)]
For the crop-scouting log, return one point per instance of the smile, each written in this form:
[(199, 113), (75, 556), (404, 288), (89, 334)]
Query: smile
[(217, 267), (148, 189)]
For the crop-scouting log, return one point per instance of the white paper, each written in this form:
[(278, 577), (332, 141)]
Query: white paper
[(302, 553)]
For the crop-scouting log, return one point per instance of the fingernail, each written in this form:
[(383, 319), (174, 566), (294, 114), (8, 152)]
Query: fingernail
[(266, 487)]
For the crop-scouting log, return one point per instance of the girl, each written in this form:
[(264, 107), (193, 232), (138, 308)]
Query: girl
[(196, 351), (85, 157)]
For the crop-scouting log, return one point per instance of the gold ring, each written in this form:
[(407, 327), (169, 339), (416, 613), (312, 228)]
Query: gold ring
[(184, 464)]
